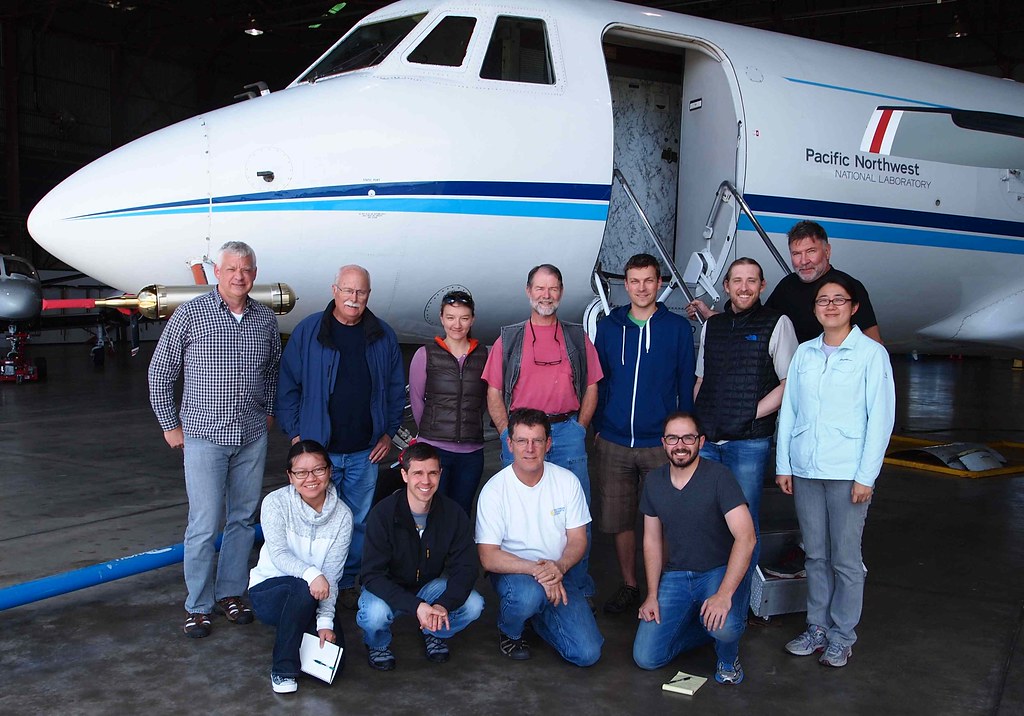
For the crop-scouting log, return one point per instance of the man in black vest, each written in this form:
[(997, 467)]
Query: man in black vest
[(741, 372)]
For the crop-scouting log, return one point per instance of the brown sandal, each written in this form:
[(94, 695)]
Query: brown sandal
[(236, 611), (197, 625)]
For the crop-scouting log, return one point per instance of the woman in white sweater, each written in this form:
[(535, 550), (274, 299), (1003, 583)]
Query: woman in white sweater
[(294, 586)]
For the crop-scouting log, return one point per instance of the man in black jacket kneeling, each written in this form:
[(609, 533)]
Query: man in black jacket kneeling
[(418, 558)]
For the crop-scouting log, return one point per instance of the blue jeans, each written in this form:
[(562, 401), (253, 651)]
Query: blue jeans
[(375, 616), (832, 526), (569, 628), (355, 478), (460, 475), (746, 459), (285, 602), (568, 450), (223, 483), (680, 596)]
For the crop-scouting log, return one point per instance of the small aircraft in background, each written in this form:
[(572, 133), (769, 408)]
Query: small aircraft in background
[(21, 301), (447, 144)]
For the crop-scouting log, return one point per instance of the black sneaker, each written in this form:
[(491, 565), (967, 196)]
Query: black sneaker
[(513, 648), (436, 649), (625, 599), (380, 659)]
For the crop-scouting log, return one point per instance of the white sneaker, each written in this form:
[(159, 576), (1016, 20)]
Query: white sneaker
[(283, 684)]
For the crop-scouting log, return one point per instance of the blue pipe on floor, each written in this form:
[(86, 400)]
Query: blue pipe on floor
[(90, 576)]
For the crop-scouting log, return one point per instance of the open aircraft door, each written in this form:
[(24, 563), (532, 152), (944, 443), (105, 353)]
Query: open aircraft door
[(678, 135)]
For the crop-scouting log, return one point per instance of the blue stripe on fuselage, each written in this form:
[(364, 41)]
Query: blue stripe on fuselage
[(426, 205), (854, 90), (867, 223), (486, 189)]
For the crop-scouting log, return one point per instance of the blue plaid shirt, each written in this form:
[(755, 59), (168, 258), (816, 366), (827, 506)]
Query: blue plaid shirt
[(230, 370)]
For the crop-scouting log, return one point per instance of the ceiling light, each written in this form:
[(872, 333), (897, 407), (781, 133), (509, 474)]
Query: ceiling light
[(958, 29), (252, 29)]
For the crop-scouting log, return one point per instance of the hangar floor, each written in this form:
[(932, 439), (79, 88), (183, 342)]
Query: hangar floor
[(86, 477)]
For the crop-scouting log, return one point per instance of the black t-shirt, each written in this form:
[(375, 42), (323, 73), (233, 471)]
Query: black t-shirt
[(697, 534), (796, 299), (349, 406)]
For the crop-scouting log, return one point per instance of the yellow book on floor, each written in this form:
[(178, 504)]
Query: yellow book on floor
[(683, 683)]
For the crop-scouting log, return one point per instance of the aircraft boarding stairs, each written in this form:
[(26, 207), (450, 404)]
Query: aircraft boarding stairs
[(704, 269)]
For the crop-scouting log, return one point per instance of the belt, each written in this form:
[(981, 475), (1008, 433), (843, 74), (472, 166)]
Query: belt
[(561, 417)]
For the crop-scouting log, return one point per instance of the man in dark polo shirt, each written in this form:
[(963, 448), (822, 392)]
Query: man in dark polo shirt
[(810, 251), (342, 384)]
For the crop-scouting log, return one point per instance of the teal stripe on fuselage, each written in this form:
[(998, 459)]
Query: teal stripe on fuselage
[(894, 234), (426, 205)]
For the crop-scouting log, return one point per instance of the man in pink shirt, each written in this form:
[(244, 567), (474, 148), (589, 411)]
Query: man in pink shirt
[(548, 365)]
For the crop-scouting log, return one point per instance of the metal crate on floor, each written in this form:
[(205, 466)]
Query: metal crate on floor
[(770, 595)]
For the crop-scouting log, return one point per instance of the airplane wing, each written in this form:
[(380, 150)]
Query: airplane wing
[(953, 136)]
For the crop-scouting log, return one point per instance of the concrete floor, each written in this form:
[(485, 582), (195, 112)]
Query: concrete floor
[(86, 477)]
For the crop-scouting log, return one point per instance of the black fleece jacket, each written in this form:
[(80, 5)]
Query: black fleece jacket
[(397, 562)]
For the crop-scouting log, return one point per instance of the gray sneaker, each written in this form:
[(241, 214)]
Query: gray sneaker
[(836, 655), (283, 684), (809, 642)]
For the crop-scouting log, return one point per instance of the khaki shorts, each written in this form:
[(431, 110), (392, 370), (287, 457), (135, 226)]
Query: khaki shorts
[(618, 480)]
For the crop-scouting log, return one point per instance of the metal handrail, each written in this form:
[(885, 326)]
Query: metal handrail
[(676, 277), (745, 209)]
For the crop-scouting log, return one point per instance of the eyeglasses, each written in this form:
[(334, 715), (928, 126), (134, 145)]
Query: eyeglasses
[(350, 292), (534, 346), (837, 301), (523, 442), (453, 297), (686, 439), (303, 474)]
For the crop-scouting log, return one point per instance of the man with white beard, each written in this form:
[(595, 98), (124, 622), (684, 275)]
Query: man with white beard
[(342, 384), (548, 365)]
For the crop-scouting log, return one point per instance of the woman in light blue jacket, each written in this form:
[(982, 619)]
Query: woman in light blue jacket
[(834, 425)]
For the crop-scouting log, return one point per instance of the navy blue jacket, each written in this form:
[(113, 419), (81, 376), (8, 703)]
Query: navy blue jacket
[(309, 365), (648, 373)]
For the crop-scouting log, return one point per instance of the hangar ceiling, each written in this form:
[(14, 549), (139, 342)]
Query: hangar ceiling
[(985, 36), (90, 75)]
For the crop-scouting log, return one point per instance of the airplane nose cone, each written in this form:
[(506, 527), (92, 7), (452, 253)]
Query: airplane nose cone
[(100, 219), (20, 300)]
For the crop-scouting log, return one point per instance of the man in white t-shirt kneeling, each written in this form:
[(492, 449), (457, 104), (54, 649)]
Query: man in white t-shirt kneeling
[(531, 528)]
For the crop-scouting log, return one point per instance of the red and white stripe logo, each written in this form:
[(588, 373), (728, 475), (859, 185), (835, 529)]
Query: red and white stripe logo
[(881, 131)]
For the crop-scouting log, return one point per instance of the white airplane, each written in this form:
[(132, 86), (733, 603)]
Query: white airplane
[(445, 144)]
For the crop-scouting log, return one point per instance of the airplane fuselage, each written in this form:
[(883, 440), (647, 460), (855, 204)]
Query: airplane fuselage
[(432, 177)]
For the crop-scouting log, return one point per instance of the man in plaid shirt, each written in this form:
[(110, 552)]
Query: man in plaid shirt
[(228, 348)]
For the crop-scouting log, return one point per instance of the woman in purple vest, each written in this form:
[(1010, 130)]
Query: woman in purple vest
[(448, 398)]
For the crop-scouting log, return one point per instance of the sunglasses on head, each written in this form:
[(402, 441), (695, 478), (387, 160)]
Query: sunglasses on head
[(453, 297)]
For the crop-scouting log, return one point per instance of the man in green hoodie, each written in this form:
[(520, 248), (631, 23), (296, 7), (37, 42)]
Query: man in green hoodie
[(646, 355)]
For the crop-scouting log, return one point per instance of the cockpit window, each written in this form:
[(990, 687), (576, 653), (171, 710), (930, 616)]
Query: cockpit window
[(365, 47), (18, 268), (446, 44), (519, 52)]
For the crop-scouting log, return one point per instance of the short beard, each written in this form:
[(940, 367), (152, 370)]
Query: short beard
[(543, 310), (683, 462)]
